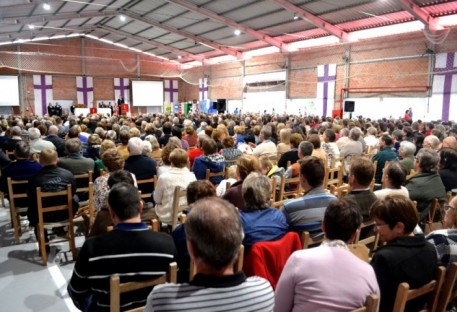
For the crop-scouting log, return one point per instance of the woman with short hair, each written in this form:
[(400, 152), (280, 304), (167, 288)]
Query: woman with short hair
[(404, 257)]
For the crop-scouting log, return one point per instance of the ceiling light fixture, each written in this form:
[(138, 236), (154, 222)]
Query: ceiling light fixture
[(179, 56), (31, 26), (295, 17), (122, 18), (46, 6), (237, 32)]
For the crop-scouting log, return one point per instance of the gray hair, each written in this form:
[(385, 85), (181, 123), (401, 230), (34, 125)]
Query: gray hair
[(214, 229), (73, 146), (111, 135), (306, 148), (147, 147), (433, 140), (428, 160), (355, 133), (407, 148), (153, 140), (372, 131), (175, 140), (256, 191), (135, 146), (34, 133), (266, 132)]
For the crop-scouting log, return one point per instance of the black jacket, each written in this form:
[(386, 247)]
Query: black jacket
[(408, 259)]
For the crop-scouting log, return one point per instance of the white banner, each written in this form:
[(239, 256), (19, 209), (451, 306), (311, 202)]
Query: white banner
[(326, 75), (85, 90), (445, 84), (42, 86)]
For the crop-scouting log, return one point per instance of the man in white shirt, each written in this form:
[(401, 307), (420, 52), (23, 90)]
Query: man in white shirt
[(266, 147)]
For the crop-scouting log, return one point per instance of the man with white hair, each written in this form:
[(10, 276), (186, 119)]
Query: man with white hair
[(266, 147), (10, 144), (37, 144), (143, 167), (432, 142)]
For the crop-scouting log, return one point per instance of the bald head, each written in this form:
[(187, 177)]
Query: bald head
[(449, 141), (53, 130)]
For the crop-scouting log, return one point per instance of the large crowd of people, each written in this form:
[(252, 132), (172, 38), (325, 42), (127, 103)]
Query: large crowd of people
[(415, 163)]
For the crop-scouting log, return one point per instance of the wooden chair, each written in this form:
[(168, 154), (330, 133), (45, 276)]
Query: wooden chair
[(373, 182), (85, 189), (448, 292), (16, 211), (178, 205), (148, 185), (371, 240), (210, 174), (117, 288), (230, 163), (295, 188), (237, 265), (340, 191), (308, 241), (273, 188), (411, 174), (434, 207), (404, 294), (68, 206), (333, 176), (371, 305)]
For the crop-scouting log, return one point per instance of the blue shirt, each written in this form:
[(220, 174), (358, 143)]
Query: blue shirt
[(263, 225)]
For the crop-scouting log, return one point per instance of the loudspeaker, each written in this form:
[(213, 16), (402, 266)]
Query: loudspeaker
[(349, 106), (221, 105), (214, 105)]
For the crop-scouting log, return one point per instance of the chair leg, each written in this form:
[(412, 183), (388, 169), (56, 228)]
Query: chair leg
[(2, 198), (42, 244), (16, 222), (71, 240)]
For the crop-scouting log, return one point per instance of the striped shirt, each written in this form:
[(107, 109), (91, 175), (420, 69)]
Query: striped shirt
[(214, 294), (307, 212), (132, 251)]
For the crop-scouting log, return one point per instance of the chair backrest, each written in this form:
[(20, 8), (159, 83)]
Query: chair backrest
[(237, 265), (64, 206), (267, 259), (146, 186), (117, 288), (371, 240), (178, 205), (333, 176), (210, 174), (273, 188), (307, 240), (294, 186), (434, 207), (371, 305), (22, 193), (340, 191), (449, 291), (432, 289)]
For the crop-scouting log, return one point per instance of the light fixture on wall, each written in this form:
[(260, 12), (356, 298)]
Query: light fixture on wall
[(237, 32), (46, 6)]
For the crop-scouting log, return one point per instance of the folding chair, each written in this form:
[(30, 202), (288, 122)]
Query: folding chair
[(117, 288), (67, 206)]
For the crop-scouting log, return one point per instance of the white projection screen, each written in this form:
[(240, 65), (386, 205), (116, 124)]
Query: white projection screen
[(9, 89), (147, 93)]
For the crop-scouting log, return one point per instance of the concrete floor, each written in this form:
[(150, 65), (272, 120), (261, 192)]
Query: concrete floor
[(27, 285)]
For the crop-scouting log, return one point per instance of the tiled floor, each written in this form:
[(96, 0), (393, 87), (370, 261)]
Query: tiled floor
[(27, 285)]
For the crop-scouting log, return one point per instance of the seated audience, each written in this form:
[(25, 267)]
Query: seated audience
[(317, 150), (260, 221), (156, 152), (393, 178), (98, 166), (53, 137), (304, 149), (316, 279), (265, 146), (386, 153), (270, 170), (448, 168), (284, 141), (178, 175), (231, 179), (229, 150), (74, 161), (305, 213), (331, 149), (244, 166), (445, 240), (93, 147), (360, 178), (292, 154), (209, 160), (404, 257), (214, 235), (407, 151), (166, 164), (37, 144), (113, 253), (426, 185), (198, 151), (124, 137), (195, 190)]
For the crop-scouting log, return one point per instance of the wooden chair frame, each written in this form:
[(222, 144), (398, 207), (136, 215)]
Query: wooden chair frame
[(16, 211), (333, 176), (404, 294), (307, 240), (371, 305), (290, 181), (152, 180), (210, 174), (434, 207), (179, 192), (41, 224), (448, 292), (117, 288), (340, 191)]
